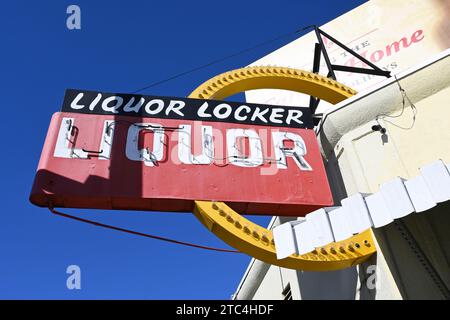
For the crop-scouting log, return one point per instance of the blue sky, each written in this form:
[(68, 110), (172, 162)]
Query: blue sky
[(122, 46)]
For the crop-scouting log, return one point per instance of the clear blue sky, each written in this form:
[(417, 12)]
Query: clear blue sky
[(122, 46)]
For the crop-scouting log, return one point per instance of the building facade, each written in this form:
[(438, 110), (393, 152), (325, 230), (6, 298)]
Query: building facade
[(412, 107)]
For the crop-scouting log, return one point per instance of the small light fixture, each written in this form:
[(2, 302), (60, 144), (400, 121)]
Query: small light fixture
[(378, 127)]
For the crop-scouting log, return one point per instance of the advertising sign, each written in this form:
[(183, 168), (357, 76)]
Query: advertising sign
[(394, 35), (134, 152)]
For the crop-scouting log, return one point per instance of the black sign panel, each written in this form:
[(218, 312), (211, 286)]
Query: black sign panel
[(94, 102)]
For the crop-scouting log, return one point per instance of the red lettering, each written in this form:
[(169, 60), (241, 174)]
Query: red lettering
[(390, 49), (355, 62), (376, 56), (328, 43), (417, 36), (396, 46)]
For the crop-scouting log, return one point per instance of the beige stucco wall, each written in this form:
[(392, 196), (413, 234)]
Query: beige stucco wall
[(360, 159), (366, 158), (275, 281)]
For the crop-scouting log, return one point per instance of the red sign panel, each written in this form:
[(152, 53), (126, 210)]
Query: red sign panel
[(136, 163)]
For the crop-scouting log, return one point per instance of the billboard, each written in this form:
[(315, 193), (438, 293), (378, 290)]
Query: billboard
[(394, 35), (134, 152)]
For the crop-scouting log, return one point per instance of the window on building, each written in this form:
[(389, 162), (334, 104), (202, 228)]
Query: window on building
[(287, 293)]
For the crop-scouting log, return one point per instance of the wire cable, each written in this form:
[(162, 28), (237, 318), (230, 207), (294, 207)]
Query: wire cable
[(383, 116), (99, 224), (178, 75), (404, 99), (107, 226)]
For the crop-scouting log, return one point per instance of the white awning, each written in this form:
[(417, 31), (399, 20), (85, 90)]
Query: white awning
[(396, 199)]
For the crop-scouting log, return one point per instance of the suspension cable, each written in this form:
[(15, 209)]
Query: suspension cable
[(107, 226)]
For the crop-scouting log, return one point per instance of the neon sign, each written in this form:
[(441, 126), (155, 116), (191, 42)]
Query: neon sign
[(213, 158)]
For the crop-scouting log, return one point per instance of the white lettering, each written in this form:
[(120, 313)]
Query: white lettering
[(65, 141), (185, 150), (276, 113), (117, 103), (237, 113), (372, 281), (202, 111), (95, 101), (255, 157), (137, 106), (74, 20), (220, 107), (187, 310), (294, 115), (158, 109), (297, 152), (260, 114), (74, 104), (175, 106), (237, 140), (74, 280), (149, 157)]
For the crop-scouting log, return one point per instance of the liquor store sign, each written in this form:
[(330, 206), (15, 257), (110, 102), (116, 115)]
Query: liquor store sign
[(135, 152)]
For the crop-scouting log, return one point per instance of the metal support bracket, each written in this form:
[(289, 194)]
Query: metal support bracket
[(320, 49)]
